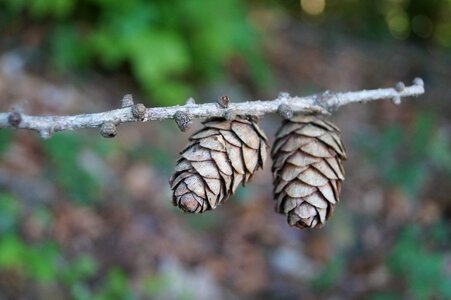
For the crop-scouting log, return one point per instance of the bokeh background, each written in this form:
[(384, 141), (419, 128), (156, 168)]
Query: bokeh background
[(83, 217)]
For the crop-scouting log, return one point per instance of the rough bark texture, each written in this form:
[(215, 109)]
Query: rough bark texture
[(218, 158), (308, 171)]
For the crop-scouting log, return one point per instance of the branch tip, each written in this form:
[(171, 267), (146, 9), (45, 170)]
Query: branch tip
[(108, 130), (418, 81)]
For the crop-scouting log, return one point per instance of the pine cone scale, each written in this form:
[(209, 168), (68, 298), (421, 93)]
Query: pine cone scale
[(222, 162), (236, 160)]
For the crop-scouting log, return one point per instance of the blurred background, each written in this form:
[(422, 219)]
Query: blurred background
[(82, 217)]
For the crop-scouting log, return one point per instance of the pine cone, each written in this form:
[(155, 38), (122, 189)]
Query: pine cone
[(308, 172), (219, 157)]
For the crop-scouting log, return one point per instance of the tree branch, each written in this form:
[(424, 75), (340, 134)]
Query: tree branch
[(285, 105)]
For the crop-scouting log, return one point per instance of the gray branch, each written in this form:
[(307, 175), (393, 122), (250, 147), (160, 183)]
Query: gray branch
[(285, 105)]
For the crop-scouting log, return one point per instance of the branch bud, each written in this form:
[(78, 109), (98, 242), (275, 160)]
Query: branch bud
[(285, 111), (190, 101), (127, 101), (14, 118), (45, 134), (418, 81), (183, 120), (396, 100), (224, 101), (108, 130), (399, 87), (283, 95), (139, 111)]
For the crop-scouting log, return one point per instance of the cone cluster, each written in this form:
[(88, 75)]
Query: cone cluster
[(308, 171), (219, 157)]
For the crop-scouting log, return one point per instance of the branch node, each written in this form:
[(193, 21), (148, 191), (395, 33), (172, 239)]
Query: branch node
[(139, 111), (229, 115), (14, 118), (190, 101), (108, 130), (285, 111), (183, 120), (399, 87), (224, 101), (396, 100), (418, 81), (127, 101)]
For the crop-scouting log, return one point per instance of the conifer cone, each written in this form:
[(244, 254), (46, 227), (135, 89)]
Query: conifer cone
[(220, 156), (307, 170)]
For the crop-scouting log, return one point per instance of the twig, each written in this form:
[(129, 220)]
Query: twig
[(130, 112)]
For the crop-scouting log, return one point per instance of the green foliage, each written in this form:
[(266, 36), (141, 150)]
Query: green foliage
[(417, 259), (403, 157), (63, 152), (166, 45), (37, 261)]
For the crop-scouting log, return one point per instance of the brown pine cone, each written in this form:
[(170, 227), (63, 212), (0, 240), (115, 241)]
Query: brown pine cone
[(308, 171), (219, 157)]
